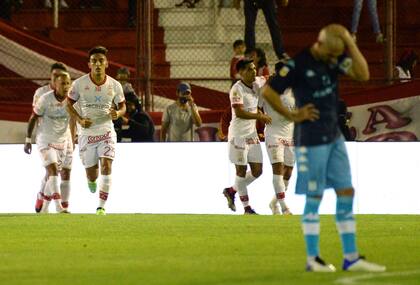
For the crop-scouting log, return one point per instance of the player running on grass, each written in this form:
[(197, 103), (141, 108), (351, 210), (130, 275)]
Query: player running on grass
[(55, 69), (54, 141), (321, 154), (96, 92)]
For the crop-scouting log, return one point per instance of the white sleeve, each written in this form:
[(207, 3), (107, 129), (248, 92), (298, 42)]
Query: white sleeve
[(37, 94), (39, 107), (119, 93), (236, 97), (74, 92)]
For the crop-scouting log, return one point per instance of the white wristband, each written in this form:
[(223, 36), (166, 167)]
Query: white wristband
[(28, 140)]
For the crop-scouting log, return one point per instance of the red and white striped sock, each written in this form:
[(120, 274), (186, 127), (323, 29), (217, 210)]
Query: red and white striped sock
[(65, 193), (104, 187)]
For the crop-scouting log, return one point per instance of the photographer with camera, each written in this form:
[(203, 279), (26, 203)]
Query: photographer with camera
[(179, 118)]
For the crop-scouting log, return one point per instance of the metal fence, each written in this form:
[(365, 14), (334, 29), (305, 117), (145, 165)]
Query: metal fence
[(174, 40)]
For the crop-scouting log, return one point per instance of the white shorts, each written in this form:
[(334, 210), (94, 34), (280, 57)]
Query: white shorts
[(280, 150), (59, 153), (91, 148), (245, 150)]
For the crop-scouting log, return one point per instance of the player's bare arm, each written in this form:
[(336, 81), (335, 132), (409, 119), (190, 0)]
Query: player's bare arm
[(73, 130), (241, 113), (115, 114), (306, 113), (194, 111), (359, 70), (84, 122), (31, 125)]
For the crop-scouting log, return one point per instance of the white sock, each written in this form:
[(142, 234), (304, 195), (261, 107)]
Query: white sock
[(54, 186), (65, 192), (104, 186), (47, 197), (279, 188), (249, 178), (286, 184), (240, 186), (43, 184), (46, 203)]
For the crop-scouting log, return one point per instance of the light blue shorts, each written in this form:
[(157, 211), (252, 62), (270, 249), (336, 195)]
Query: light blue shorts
[(321, 167)]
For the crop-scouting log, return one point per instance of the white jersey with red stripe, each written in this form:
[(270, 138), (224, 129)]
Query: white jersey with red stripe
[(39, 92), (246, 97), (280, 126), (95, 102), (54, 126)]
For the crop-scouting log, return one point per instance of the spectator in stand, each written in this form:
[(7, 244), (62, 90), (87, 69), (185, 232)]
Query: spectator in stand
[(405, 66), (136, 125), (269, 8), (179, 118), (49, 4), (123, 75), (132, 11), (260, 62), (343, 120), (7, 6), (187, 3), (6, 10), (373, 11), (238, 53)]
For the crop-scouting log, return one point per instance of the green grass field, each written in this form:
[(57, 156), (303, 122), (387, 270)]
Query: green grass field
[(196, 249)]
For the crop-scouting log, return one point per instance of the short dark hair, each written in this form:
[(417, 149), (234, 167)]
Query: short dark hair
[(58, 65), (261, 54), (62, 74), (238, 43), (243, 63), (98, 49)]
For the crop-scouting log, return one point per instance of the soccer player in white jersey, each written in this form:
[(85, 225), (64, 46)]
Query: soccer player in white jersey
[(244, 144), (279, 144), (96, 94), (55, 69), (53, 141)]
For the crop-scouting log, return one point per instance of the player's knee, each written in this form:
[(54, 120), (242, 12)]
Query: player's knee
[(256, 172), (52, 169), (65, 174), (348, 192)]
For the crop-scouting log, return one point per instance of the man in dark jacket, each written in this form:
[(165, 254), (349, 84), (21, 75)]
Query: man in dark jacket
[(137, 125)]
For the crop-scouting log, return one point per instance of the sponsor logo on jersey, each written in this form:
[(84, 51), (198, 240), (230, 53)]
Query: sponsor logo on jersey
[(57, 146), (284, 71), (95, 139)]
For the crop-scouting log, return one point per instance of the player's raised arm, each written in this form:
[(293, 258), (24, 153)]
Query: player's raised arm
[(359, 70)]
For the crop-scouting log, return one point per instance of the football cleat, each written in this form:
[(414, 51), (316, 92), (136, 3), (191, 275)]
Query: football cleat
[(286, 212), (39, 202), (318, 265), (230, 197), (274, 207), (92, 186), (361, 265), (64, 211), (249, 211), (100, 211)]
